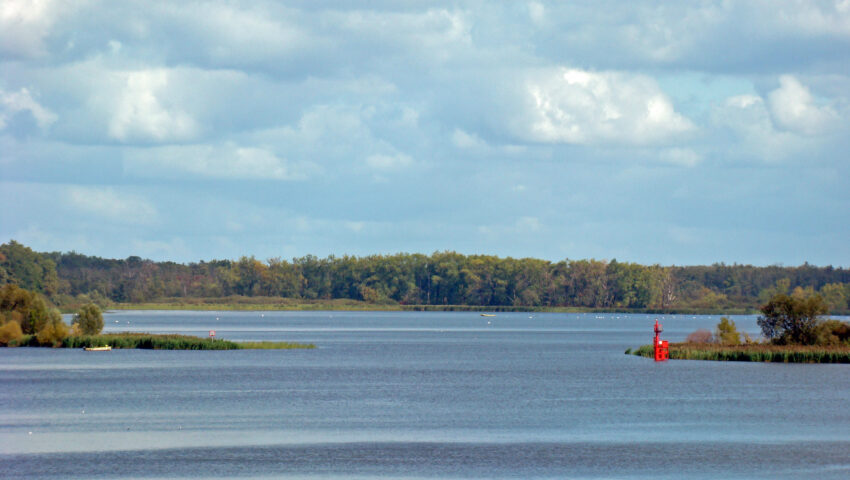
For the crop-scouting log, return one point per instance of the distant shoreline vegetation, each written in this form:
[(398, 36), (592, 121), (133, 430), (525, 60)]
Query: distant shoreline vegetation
[(285, 304), (439, 281)]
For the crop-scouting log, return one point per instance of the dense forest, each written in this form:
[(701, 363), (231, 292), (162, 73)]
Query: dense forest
[(442, 278)]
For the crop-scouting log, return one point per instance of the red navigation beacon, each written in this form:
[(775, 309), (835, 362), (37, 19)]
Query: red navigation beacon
[(662, 351)]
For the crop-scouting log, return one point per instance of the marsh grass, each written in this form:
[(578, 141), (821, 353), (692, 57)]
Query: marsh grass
[(148, 341), (759, 352)]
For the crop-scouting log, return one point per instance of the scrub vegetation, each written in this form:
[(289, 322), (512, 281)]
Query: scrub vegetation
[(759, 352), (148, 341), (793, 333), (172, 342), (26, 321)]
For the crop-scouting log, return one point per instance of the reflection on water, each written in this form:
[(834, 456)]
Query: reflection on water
[(417, 395)]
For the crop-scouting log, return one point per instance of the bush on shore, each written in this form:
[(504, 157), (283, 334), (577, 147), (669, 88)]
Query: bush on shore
[(700, 336), (790, 320), (52, 333), (89, 319), (11, 333)]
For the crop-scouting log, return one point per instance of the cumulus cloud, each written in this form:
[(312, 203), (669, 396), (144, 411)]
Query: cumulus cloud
[(716, 36), (246, 36), (470, 99), (244, 33), (23, 26), (228, 161), (111, 204), (462, 139), (139, 112), (793, 108), (344, 138), (100, 99), (583, 107), (438, 33), (753, 134), (814, 18), (783, 124), (21, 101)]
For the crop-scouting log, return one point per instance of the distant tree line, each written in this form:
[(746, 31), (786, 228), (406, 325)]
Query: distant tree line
[(442, 278)]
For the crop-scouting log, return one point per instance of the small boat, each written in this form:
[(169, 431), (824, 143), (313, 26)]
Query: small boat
[(488, 314), (99, 349)]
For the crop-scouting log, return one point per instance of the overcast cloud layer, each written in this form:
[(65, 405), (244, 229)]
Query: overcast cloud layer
[(655, 132)]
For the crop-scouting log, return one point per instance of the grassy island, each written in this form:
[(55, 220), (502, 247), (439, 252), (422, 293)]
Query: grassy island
[(27, 321), (757, 352), (149, 341), (793, 333)]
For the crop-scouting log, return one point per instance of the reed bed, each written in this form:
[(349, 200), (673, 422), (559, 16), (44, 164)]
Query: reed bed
[(759, 352), (148, 341)]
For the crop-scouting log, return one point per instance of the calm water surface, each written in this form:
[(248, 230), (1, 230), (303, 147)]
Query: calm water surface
[(417, 395)]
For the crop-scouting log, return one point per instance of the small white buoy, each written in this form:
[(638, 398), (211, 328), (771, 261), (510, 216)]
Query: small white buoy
[(262, 315), (83, 411), (30, 433)]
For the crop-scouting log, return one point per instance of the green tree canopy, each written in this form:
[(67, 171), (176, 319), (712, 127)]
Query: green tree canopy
[(835, 295), (89, 319), (53, 332), (437, 279), (727, 332), (26, 308), (31, 270), (790, 320)]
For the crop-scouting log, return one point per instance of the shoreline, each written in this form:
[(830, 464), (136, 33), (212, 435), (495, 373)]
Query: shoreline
[(350, 306), (757, 352), (151, 341)]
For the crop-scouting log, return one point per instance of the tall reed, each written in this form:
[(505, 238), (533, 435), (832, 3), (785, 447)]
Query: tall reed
[(753, 353), (148, 341)]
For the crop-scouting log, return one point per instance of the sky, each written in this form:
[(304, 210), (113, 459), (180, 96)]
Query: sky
[(653, 132)]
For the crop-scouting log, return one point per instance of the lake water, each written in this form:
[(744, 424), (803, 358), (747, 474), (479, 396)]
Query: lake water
[(417, 395)]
